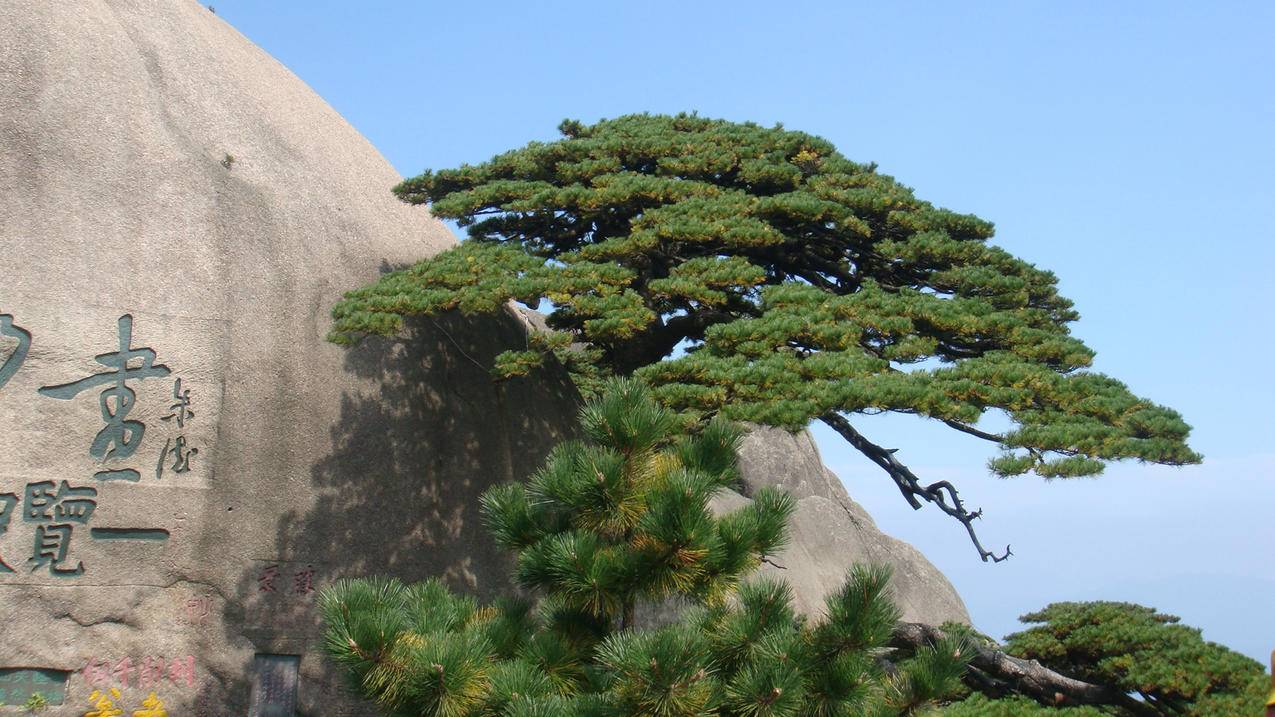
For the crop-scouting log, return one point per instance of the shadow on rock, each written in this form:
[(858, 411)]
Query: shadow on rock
[(396, 493)]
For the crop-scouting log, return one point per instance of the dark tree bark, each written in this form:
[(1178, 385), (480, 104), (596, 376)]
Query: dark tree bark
[(941, 493), (997, 673)]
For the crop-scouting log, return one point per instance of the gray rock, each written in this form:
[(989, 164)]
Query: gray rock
[(162, 177), (831, 532)]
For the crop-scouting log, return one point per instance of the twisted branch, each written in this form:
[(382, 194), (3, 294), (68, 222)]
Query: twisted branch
[(995, 672), (941, 493)]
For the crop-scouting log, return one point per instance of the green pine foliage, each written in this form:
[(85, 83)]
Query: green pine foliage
[(979, 705), (610, 523), (800, 284), (1166, 668)]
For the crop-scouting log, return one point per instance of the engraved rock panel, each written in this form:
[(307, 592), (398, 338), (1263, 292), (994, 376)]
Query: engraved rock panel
[(184, 461)]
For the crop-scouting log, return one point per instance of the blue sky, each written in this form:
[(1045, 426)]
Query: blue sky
[(1128, 147)]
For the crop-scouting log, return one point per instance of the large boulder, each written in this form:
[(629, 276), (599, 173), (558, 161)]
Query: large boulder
[(184, 459)]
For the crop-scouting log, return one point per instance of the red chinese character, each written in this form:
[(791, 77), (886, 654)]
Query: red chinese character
[(122, 670), (152, 672), (198, 608), (97, 673), (303, 581), (182, 669), (265, 581)]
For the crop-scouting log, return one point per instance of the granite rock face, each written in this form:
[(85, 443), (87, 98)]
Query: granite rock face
[(184, 459), (830, 532)]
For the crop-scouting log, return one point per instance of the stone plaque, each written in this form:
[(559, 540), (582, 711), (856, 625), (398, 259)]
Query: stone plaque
[(274, 685), (17, 685)]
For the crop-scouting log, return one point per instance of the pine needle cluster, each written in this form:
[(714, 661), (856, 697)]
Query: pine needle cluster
[(617, 520)]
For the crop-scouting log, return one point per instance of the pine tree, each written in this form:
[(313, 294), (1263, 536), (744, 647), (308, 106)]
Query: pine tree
[(800, 285), (1152, 666), (609, 523)]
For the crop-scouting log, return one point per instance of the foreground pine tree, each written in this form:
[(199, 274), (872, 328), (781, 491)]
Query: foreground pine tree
[(609, 523)]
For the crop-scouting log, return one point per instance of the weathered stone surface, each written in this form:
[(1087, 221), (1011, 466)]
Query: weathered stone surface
[(830, 532), (162, 176)]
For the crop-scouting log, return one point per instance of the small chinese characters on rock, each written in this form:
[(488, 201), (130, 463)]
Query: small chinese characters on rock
[(102, 704), (146, 673), (180, 410), (182, 671), (274, 685), (177, 449), (152, 706), (198, 609), (303, 581), (271, 580), (120, 438), (266, 579)]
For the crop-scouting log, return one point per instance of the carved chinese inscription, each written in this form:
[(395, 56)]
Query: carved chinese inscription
[(302, 584), (14, 360), (120, 437), (152, 706), (145, 673), (180, 453), (274, 685), (19, 684), (102, 704), (54, 509), (55, 514), (8, 501), (198, 609)]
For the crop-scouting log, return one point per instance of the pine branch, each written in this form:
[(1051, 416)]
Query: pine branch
[(965, 428), (941, 493), (1028, 677)]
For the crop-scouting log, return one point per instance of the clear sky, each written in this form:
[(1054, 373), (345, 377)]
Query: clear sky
[(1129, 147)]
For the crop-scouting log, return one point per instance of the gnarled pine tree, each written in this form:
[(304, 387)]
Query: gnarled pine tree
[(1123, 660), (801, 286), (608, 523)]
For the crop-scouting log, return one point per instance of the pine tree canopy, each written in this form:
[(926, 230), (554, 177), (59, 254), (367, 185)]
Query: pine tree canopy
[(1154, 665), (757, 274), (608, 523)]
